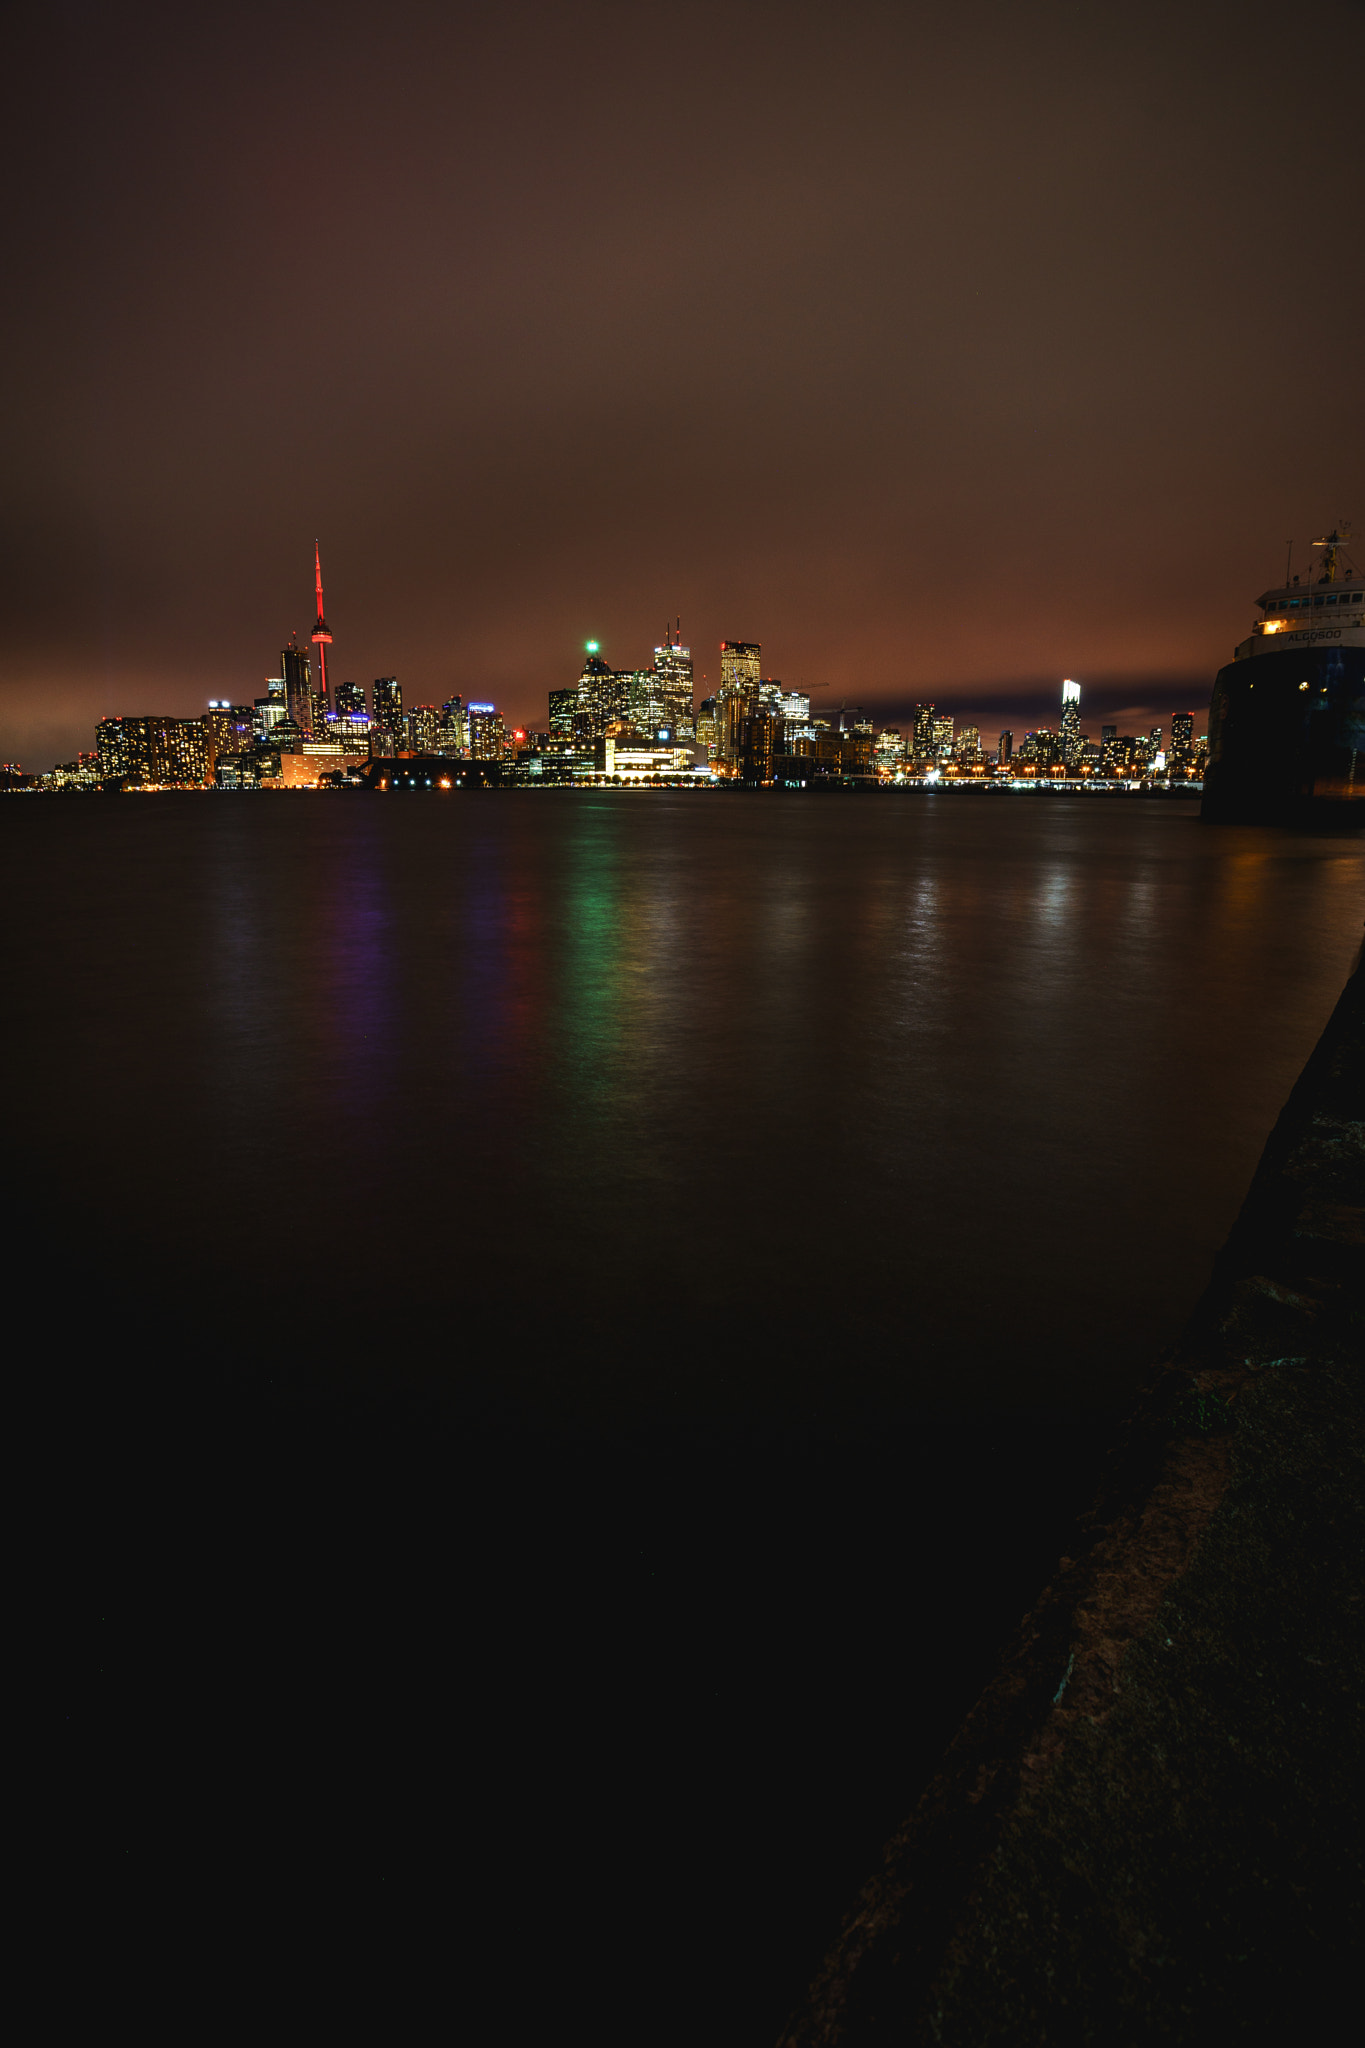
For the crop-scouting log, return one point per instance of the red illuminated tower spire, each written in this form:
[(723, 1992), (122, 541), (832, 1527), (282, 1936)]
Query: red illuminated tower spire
[(322, 639)]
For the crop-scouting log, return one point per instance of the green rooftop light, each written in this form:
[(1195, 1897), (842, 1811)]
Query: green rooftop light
[(592, 647)]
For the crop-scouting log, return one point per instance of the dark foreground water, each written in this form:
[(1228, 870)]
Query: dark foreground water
[(568, 1327)]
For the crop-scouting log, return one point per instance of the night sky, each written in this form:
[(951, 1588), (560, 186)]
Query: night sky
[(946, 352)]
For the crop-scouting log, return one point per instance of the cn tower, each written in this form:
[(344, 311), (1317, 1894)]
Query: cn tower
[(322, 639)]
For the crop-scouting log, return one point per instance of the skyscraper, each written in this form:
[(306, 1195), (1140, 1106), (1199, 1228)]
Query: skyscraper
[(1072, 742), (297, 670), (673, 668), (922, 744), (603, 695), (1005, 748), (737, 697), (740, 664), (350, 697), (387, 702), (1182, 742)]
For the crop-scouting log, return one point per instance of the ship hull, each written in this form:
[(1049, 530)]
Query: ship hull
[(1280, 753)]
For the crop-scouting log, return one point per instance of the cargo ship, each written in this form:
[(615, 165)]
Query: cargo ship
[(1287, 717)]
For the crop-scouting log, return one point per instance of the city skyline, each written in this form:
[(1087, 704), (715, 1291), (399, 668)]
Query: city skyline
[(648, 724), (903, 343), (309, 695)]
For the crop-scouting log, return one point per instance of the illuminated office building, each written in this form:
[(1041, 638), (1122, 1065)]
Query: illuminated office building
[(941, 737), (1182, 743), (673, 671), (967, 745), (737, 697), (603, 695), (646, 711), (922, 744), (890, 747), (1004, 748), (563, 711), (350, 697), (795, 707), (1071, 741), (740, 661)]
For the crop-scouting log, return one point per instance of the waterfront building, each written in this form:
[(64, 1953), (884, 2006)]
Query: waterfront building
[(922, 744), (81, 774), (387, 706), (941, 738), (1071, 740), (1182, 743), (1004, 748), (890, 747), (350, 697), (708, 725), (635, 757), (795, 707), (967, 745), (158, 752)]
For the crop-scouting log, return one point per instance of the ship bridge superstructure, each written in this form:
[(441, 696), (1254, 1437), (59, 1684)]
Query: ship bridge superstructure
[(1327, 613)]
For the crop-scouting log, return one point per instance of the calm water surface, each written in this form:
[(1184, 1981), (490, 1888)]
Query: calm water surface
[(599, 1303)]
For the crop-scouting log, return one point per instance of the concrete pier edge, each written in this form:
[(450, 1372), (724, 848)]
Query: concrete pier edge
[(1149, 1825)]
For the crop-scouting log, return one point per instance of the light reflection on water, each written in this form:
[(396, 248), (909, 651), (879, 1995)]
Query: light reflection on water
[(888, 1102)]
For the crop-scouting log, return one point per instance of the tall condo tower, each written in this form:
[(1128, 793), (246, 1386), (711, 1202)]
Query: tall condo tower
[(322, 639), (1072, 743)]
